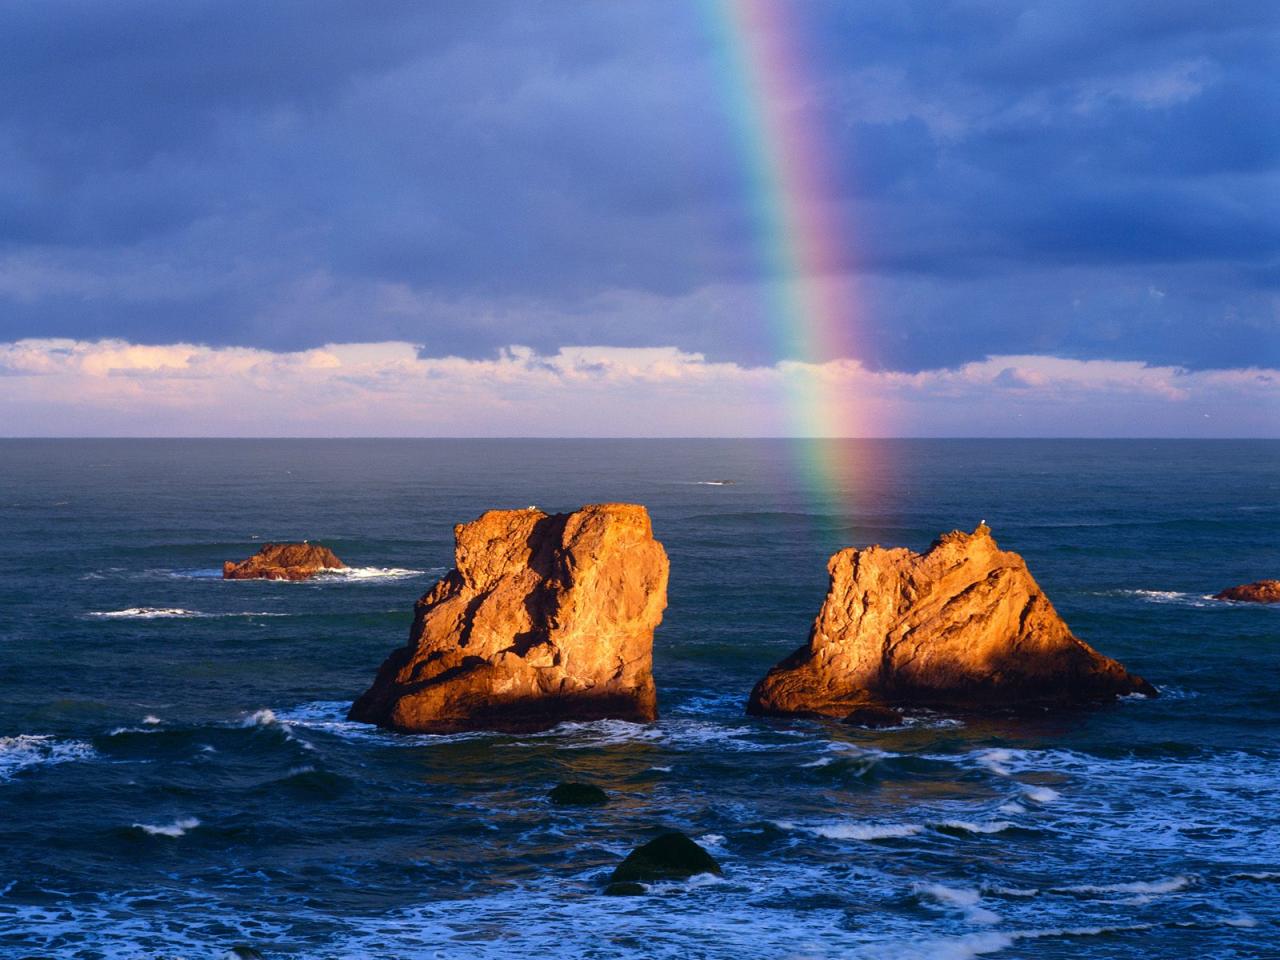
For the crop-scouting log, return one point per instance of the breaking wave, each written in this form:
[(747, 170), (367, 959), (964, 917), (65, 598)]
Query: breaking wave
[(371, 573), (176, 829), (29, 750), (855, 831), (174, 613)]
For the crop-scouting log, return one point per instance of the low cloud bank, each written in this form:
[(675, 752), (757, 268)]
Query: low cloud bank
[(58, 387)]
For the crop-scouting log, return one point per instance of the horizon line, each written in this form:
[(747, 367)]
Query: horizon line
[(277, 437)]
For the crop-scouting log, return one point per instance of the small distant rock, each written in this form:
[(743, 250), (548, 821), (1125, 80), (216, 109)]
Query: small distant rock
[(671, 856), (577, 795), (1260, 591), (283, 561)]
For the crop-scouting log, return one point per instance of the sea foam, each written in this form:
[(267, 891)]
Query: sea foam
[(29, 750), (176, 829), (855, 831)]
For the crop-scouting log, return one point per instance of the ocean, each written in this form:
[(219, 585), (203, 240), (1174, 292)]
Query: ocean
[(178, 779)]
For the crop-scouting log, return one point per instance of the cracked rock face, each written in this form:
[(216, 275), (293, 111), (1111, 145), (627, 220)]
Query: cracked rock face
[(543, 619), (963, 625)]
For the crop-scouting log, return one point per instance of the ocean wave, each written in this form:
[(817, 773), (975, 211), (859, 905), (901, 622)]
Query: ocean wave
[(854, 830), (1040, 794), (328, 576), (145, 613), (178, 828), (958, 898), (981, 944), (260, 718), (29, 750), (1175, 597), (371, 573), (174, 613), (1148, 887), (969, 826)]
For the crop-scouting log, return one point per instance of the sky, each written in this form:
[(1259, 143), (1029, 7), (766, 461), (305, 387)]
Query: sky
[(306, 217)]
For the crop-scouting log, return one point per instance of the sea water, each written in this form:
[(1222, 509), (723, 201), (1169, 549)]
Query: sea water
[(178, 779)]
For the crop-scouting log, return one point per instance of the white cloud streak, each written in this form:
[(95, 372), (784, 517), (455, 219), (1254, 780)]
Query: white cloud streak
[(56, 387)]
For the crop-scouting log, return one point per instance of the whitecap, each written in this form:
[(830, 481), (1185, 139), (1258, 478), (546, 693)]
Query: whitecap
[(1175, 597), (1149, 887), (28, 750), (175, 613), (996, 761), (958, 898), (176, 829), (1023, 892), (259, 718), (854, 830), (146, 613), (369, 573), (1040, 794), (1242, 920), (151, 719), (994, 826)]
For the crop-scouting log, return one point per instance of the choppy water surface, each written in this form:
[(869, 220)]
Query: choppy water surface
[(177, 778)]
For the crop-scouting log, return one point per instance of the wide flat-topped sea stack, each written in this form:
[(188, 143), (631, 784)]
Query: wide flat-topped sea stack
[(283, 561), (1260, 591), (962, 625), (543, 619)]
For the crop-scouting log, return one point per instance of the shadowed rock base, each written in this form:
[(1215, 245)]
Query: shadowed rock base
[(962, 626), (544, 619)]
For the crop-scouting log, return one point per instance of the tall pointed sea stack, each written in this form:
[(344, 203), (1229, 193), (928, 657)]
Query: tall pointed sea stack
[(543, 619), (962, 625)]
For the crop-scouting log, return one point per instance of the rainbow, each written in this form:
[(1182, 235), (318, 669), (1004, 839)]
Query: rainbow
[(804, 246)]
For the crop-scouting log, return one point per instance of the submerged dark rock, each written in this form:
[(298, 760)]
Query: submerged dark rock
[(577, 795), (671, 856)]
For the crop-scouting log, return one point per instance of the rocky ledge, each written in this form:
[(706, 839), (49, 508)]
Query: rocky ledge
[(543, 619), (961, 626), (283, 561), (1260, 591)]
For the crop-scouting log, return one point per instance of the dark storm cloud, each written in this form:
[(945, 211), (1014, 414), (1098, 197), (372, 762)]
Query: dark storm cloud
[(1090, 180)]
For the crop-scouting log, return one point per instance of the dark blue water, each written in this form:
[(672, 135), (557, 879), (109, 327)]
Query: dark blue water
[(177, 778)]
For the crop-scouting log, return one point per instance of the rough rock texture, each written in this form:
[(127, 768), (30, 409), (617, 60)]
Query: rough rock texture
[(963, 625), (283, 561), (1260, 591), (543, 619)]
